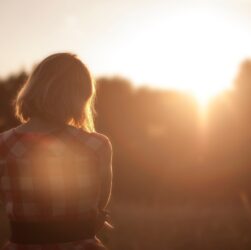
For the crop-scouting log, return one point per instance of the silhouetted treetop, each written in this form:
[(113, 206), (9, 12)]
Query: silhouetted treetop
[(243, 78)]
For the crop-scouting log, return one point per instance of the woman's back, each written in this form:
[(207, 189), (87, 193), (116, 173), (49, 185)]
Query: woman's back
[(54, 177)]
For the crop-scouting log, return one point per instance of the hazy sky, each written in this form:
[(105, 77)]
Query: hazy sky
[(140, 39)]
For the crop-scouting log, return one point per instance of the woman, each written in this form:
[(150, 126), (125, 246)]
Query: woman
[(55, 170)]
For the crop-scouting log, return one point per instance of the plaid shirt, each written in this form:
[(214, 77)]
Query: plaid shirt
[(53, 176)]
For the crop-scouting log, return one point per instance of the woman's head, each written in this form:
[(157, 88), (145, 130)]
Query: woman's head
[(60, 89)]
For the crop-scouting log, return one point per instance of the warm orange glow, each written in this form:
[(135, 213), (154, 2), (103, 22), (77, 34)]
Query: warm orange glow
[(195, 50)]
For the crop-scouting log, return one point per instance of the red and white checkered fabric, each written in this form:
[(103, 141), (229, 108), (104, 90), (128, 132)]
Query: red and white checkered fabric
[(53, 176)]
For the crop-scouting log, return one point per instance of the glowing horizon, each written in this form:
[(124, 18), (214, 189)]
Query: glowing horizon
[(204, 65), (192, 47)]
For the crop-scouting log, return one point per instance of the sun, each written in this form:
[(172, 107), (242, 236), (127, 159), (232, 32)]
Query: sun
[(204, 96), (197, 51)]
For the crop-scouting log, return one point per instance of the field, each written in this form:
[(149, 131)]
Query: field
[(182, 227), (174, 227)]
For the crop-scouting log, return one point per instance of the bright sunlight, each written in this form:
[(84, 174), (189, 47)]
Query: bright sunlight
[(196, 51)]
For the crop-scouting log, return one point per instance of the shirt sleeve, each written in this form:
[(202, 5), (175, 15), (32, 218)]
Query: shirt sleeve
[(2, 158), (102, 146), (2, 163), (105, 163)]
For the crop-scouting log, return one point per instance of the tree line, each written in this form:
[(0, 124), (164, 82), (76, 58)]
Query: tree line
[(162, 150)]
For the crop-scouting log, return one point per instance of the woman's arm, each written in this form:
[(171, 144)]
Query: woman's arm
[(2, 163), (106, 174)]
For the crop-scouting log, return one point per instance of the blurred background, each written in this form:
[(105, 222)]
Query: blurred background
[(173, 95)]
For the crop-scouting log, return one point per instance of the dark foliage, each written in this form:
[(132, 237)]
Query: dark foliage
[(161, 150)]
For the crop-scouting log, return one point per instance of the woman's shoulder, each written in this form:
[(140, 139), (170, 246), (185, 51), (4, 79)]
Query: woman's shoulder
[(94, 140), (104, 139)]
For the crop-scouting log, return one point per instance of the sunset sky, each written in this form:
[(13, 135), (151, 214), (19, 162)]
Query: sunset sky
[(163, 43)]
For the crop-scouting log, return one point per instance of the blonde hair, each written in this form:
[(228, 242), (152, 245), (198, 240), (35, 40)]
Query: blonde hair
[(60, 89)]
